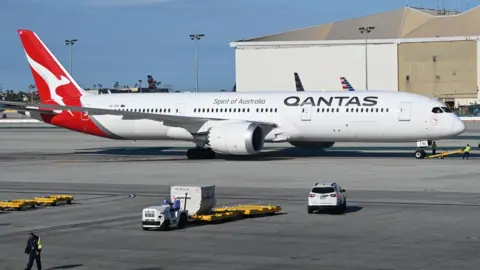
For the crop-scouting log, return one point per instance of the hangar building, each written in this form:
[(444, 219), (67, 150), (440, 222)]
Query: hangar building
[(430, 52)]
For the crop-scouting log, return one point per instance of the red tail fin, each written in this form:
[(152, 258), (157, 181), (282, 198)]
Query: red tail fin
[(53, 82)]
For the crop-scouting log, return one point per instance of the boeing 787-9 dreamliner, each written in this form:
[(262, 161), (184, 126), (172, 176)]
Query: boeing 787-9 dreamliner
[(233, 123)]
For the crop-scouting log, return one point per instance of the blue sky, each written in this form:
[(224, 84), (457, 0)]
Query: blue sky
[(125, 40)]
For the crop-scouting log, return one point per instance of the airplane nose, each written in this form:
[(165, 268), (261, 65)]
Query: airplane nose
[(458, 126)]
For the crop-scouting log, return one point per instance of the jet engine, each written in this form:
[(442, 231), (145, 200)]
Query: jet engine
[(239, 138), (313, 144)]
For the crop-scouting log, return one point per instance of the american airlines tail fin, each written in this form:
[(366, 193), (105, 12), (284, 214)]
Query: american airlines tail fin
[(346, 85), (53, 82), (298, 83)]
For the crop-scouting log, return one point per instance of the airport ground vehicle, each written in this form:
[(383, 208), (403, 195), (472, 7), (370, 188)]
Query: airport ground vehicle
[(184, 203), (325, 196), (196, 204), (54, 200)]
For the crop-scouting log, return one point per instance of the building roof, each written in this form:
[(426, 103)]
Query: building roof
[(406, 22)]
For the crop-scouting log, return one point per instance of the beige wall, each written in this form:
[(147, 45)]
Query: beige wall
[(455, 66)]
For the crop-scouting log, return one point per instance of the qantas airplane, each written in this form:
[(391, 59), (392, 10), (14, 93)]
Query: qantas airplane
[(233, 123)]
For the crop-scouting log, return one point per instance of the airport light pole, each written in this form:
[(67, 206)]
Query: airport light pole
[(196, 38), (366, 30), (31, 87), (70, 42)]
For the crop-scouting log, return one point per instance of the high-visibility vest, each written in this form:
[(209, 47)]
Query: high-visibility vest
[(435, 146), (39, 243), (467, 149)]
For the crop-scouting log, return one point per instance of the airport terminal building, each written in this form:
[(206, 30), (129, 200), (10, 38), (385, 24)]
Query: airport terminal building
[(430, 52)]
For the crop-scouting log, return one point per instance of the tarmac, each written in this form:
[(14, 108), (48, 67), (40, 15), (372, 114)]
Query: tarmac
[(402, 213)]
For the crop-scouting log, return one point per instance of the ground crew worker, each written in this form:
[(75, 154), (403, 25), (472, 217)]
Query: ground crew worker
[(33, 249), (434, 148), (466, 151)]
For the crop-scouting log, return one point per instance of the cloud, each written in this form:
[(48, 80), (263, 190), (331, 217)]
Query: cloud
[(121, 3)]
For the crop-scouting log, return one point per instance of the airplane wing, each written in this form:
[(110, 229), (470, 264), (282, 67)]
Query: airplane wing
[(191, 123), (21, 106)]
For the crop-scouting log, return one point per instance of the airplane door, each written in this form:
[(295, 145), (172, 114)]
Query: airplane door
[(404, 112), (307, 113), (84, 116), (180, 108)]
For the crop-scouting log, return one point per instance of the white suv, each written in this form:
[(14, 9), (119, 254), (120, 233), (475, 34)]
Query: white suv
[(327, 195)]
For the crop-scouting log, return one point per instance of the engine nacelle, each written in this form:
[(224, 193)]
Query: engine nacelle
[(313, 144), (239, 138)]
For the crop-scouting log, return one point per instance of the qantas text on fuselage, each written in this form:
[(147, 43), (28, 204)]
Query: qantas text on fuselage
[(338, 101)]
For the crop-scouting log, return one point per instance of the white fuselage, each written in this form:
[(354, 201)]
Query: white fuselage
[(393, 117)]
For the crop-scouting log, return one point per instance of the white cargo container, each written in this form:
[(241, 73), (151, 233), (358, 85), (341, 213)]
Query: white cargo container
[(200, 200)]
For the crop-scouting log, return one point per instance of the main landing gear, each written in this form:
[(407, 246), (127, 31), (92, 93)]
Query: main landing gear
[(200, 153)]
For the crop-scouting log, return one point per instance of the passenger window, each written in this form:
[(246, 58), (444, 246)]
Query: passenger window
[(437, 110), (387, 109), (323, 110), (338, 110), (447, 110), (328, 109), (275, 109)]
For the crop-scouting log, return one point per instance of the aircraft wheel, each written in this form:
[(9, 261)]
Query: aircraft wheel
[(200, 153), (420, 154)]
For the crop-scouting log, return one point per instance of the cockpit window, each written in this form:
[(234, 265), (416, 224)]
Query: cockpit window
[(447, 110), (437, 110)]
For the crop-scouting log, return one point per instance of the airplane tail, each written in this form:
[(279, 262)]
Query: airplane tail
[(346, 85), (298, 83), (55, 85)]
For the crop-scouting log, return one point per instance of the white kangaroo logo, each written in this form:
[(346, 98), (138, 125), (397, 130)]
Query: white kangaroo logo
[(51, 80)]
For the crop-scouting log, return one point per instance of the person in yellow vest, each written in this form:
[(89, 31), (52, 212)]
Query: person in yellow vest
[(466, 151), (434, 148), (33, 249)]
